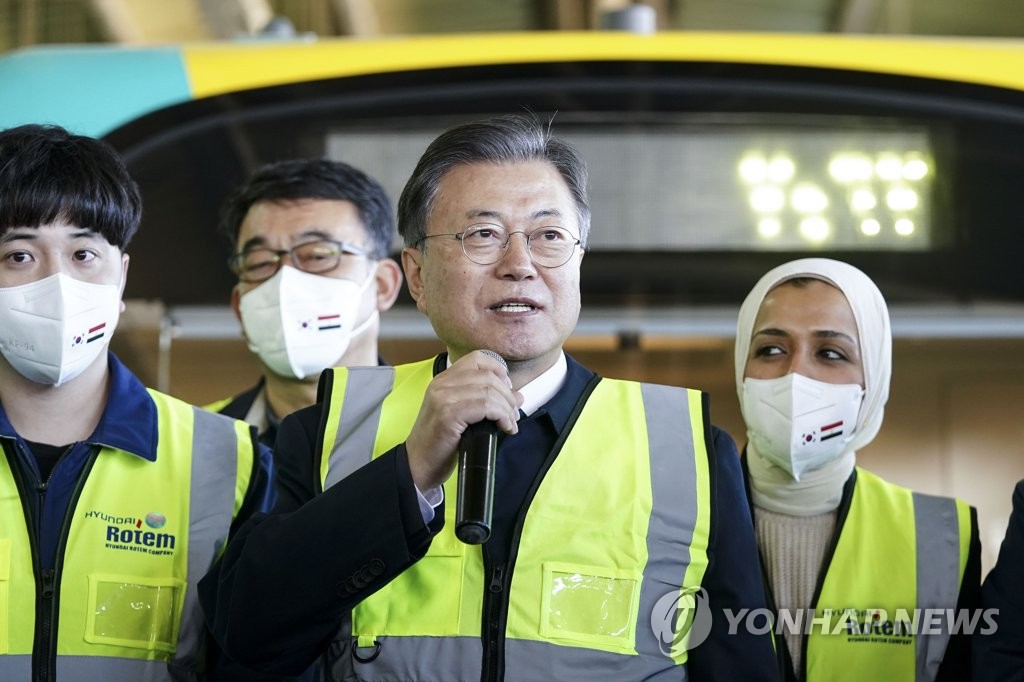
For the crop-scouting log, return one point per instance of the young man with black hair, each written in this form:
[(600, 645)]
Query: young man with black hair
[(114, 498)]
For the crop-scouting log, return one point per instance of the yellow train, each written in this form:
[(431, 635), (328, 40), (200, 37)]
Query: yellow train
[(744, 149), (713, 157)]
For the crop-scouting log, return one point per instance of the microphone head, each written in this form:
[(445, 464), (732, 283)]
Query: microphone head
[(496, 357)]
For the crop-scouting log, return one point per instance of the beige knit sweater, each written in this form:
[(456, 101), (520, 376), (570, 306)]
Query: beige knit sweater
[(793, 548)]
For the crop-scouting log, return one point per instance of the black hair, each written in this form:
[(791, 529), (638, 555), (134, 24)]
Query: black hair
[(49, 175), (296, 179), (514, 138)]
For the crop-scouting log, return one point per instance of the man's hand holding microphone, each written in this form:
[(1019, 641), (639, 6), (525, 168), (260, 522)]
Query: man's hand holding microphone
[(462, 411)]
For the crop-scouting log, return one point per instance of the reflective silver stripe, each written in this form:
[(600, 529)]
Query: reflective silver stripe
[(353, 444), (674, 508), (108, 669), (408, 658), (15, 667), (528, 661), (211, 509), (424, 659), (937, 530)]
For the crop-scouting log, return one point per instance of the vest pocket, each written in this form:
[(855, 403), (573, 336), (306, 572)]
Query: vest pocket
[(133, 611), (5, 591), (592, 606)]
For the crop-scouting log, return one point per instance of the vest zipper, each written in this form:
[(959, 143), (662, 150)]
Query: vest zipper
[(18, 461), (496, 601), (43, 671), (44, 650), (495, 610), (496, 583), (44, 667)]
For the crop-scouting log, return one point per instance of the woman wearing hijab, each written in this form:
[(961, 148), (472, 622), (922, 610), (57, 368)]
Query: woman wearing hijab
[(852, 563)]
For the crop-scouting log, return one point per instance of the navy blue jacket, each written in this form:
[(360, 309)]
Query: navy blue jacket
[(239, 407), (999, 655)]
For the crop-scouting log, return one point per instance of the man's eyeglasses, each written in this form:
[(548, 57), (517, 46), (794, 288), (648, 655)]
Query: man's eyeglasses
[(260, 264), (486, 244)]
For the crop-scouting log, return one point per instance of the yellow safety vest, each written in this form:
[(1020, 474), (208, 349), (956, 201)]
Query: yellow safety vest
[(139, 536), (629, 484), (218, 405), (899, 552)]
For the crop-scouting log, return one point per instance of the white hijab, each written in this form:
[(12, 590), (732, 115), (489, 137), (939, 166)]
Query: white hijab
[(820, 490)]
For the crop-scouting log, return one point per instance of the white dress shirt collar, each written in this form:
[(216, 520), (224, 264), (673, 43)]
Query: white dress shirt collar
[(543, 388)]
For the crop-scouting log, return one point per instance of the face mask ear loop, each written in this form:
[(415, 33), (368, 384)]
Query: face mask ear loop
[(369, 278), (362, 326), (366, 323)]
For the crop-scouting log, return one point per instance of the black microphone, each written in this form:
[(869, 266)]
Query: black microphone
[(478, 449)]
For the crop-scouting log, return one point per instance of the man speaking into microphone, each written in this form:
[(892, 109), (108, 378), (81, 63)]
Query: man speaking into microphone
[(608, 495)]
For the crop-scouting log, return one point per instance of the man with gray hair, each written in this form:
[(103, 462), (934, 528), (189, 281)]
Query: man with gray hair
[(619, 535)]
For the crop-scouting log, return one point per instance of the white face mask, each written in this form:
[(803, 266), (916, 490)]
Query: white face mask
[(797, 423), (300, 324), (51, 330)]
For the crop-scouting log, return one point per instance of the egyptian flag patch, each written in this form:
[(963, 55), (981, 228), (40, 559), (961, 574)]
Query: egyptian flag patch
[(96, 333), (325, 322), (824, 432)]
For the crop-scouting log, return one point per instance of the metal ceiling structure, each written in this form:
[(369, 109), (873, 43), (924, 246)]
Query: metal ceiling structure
[(144, 22)]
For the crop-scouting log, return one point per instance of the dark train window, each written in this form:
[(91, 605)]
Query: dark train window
[(703, 175)]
